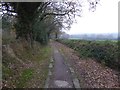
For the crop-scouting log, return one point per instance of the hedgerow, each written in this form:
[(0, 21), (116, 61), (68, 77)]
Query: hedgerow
[(105, 52)]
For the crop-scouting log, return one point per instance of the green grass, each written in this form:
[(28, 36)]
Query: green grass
[(26, 75)]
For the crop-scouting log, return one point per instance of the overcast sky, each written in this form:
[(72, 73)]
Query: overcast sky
[(103, 20)]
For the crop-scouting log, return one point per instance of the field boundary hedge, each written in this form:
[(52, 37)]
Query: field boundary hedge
[(105, 52)]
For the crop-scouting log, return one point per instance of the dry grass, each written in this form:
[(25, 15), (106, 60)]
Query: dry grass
[(31, 72)]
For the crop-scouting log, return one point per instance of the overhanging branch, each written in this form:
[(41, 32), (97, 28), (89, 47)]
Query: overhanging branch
[(56, 14)]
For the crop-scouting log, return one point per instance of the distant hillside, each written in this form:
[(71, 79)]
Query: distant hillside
[(111, 36)]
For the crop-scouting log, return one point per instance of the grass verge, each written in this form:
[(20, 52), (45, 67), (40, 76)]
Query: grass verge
[(32, 72)]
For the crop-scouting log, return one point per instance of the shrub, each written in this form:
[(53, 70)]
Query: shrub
[(103, 51)]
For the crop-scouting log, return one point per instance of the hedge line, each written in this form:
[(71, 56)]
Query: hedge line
[(105, 52)]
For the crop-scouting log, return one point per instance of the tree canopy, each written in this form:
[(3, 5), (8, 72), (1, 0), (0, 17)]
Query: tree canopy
[(38, 20)]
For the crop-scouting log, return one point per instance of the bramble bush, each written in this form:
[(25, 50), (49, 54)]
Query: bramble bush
[(105, 52)]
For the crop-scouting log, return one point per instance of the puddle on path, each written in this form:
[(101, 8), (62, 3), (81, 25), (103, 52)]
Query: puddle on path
[(62, 84)]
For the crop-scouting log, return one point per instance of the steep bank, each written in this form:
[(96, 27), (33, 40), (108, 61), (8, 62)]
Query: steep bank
[(23, 66)]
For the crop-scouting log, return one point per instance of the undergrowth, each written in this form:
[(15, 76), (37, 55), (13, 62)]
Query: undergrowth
[(25, 75)]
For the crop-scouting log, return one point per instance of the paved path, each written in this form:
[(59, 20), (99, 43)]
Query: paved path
[(61, 75)]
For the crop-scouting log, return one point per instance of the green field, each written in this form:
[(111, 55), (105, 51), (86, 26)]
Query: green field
[(104, 51)]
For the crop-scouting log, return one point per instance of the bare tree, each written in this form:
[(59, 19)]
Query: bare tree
[(48, 15)]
